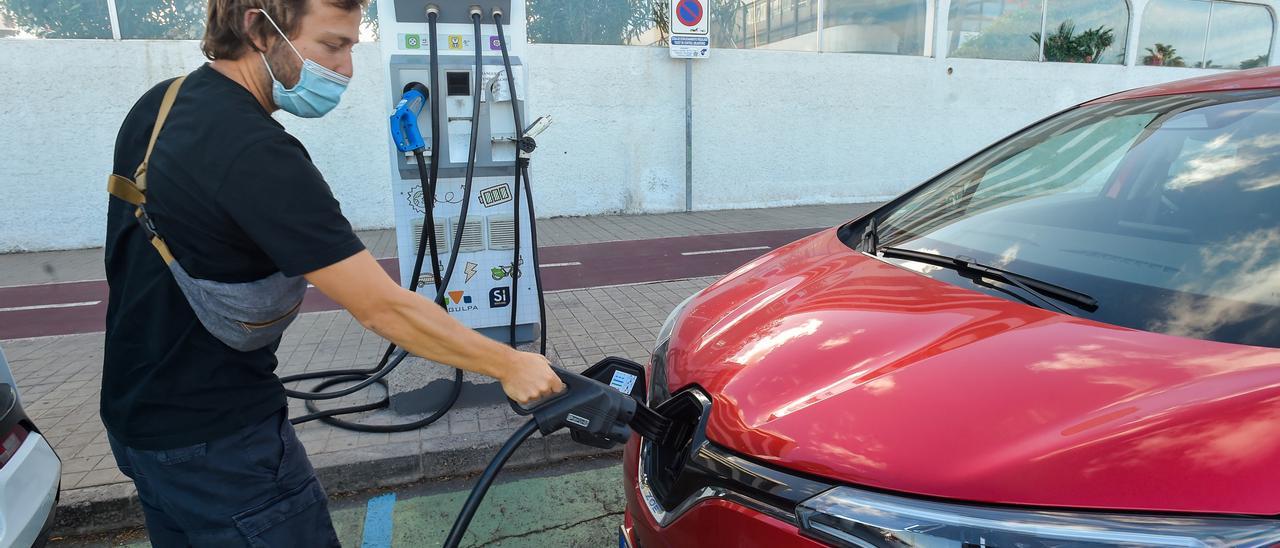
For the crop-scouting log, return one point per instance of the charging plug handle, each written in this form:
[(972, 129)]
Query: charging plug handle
[(404, 121), (585, 405)]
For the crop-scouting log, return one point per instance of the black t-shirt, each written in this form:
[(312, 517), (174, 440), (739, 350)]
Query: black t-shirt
[(237, 199)]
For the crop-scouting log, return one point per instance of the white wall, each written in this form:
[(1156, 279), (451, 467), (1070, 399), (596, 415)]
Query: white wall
[(770, 127)]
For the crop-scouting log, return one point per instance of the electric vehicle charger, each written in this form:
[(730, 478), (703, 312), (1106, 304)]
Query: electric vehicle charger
[(602, 407), (410, 106), (404, 130)]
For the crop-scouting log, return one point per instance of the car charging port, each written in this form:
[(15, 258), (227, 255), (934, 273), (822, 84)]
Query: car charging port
[(669, 456)]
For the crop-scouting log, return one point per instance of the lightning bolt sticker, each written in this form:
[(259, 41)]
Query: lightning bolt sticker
[(470, 270)]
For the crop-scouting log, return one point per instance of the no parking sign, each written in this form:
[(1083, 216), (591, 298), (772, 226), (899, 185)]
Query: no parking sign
[(689, 25), (689, 17)]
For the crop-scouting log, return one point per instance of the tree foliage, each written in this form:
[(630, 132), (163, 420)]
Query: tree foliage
[(604, 22), (139, 19), (59, 18), (1257, 62), (1064, 45), (1163, 55), (1004, 38)]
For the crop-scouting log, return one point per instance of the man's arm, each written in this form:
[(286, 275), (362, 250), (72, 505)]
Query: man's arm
[(418, 325)]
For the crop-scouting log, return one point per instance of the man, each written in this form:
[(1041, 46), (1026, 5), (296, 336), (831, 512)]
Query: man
[(201, 428)]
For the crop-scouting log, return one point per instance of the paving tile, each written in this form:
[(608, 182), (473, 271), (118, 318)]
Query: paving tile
[(81, 464), (71, 480), (463, 426), (102, 477)]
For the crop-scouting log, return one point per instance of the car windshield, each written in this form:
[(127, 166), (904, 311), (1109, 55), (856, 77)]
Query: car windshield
[(1165, 209)]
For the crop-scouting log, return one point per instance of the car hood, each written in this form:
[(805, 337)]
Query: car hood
[(826, 361)]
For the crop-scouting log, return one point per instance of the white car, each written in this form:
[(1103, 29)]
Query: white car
[(30, 472)]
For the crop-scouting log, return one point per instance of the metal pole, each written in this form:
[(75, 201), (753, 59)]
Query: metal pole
[(115, 19), (1208, 35), (768, 22), (822, 21), (1044, 26), (688, 135), (795, 17)]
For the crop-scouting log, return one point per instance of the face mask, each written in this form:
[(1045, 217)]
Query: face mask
[(318, 90)]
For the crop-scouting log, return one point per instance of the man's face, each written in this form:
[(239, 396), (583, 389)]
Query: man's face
[(325, 35)]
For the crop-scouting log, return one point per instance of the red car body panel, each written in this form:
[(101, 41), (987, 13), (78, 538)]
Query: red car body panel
[(1261, 78), (823, 360), (710, 523)]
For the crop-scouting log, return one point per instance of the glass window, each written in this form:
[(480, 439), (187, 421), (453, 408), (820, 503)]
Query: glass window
[(730, 20), (1204, 34), (996, 29), (1239, 36), (773, 24), (161, 19), (1162, 209), (874, 26), (1086, 31), (55, 18), (1174, 33), (603, 22), (1073, 31)]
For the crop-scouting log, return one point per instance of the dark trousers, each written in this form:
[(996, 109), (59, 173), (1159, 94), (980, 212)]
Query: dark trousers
[(255, 487)]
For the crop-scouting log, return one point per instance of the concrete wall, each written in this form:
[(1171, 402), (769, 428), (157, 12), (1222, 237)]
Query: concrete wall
[(770, 127)]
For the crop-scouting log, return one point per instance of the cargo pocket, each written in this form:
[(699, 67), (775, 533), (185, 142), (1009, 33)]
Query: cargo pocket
[(299, 517)]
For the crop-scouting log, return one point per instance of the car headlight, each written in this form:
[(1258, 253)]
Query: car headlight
[(669, 325), (851, 517), (658, 361)]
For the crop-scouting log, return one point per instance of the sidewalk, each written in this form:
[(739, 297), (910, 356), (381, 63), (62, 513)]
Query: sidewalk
[(59, 377)]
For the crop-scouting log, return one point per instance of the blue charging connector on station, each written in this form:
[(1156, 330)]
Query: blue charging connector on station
[(404, 121)]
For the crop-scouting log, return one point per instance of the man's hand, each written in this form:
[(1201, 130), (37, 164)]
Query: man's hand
[(530, 378)]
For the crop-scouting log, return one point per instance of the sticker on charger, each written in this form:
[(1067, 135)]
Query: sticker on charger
[(578, 420), (623, 382)]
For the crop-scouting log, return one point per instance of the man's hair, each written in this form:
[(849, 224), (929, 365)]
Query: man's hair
[(226, 38)]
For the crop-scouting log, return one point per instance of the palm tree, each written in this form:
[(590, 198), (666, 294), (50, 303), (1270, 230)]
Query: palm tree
[(1256, 62), (1064, 45), (1094, 42), (1163, 55)]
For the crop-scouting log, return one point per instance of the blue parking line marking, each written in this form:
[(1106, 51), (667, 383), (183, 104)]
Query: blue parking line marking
[(377, 521)]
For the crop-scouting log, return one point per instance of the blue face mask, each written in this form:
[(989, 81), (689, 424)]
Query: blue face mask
[(317, 92)]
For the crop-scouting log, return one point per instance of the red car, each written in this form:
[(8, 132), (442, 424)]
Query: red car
[(1069, 339)]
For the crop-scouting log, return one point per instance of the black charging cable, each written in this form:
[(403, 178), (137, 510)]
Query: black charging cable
[(522, 169), (376, 375), (597, 414)]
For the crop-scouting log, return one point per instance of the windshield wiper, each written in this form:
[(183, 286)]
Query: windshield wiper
[(1037, 288), (870, 236)]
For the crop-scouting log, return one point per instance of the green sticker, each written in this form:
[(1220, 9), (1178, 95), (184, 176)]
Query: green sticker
[(413, 41)]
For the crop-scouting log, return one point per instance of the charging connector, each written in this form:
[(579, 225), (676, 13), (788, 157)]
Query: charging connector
[(601, 408)]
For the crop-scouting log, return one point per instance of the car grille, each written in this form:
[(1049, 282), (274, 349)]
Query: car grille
[(687, 468)]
